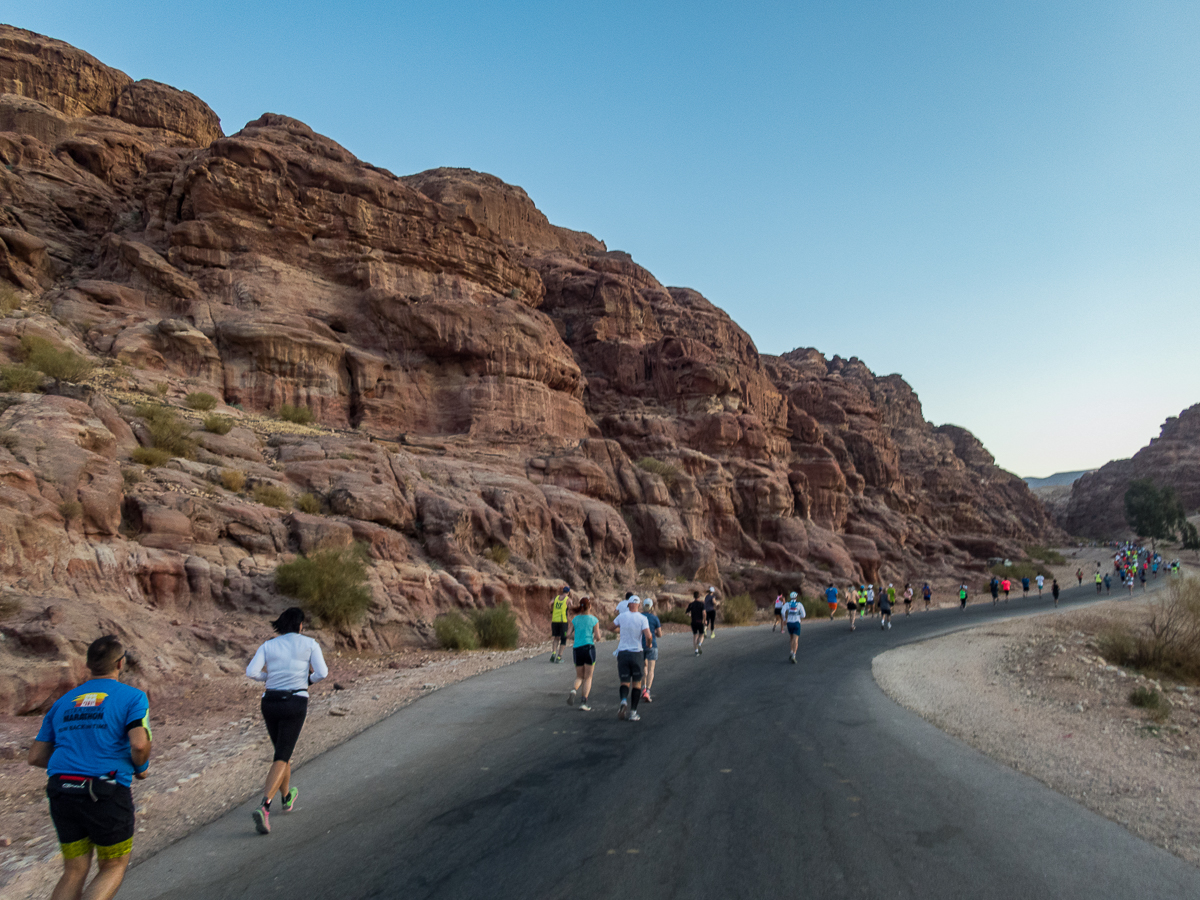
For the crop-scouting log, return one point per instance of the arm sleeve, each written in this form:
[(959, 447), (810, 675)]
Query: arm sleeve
[(317, 661), (255, 669), (803, 611), (139, 716)]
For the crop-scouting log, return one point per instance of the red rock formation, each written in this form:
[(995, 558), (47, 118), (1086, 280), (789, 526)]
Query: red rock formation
[(503, 404), (1096, 508)]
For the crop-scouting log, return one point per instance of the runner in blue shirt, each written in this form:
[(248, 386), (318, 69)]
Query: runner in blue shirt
[(831, 599), (93, 742), (650, 647)]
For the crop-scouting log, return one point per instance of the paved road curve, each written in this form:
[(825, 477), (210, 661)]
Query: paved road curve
[(748, 777)]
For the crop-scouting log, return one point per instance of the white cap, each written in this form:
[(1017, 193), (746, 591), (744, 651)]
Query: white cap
[(648, 602), (633, 600), (712, 589)]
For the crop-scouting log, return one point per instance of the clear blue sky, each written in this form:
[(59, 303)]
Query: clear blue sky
[(1000, 201)]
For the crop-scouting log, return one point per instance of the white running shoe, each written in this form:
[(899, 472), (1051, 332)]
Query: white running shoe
[(571, 698), (623, 711), (634, 717)]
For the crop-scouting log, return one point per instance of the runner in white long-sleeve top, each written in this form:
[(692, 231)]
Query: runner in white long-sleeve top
[(288, 664)]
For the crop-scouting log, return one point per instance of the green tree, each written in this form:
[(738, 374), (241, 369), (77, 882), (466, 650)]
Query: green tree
[(1153, 512), (1191, 537), (330, 584)]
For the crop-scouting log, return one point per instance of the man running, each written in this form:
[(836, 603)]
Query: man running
[(1079, 575), (885, 607), (870, 600), (778, 611), (695, 609), (1041, 580), (926, 595), (793, 613), (1054, 591), (891, 594), (93, 742), (1006, 586), (1099, 582), (710, 612), (560, 617), (962, 596), (650, 649), (831, 598), (1107, 583), (908, 599), (1025, 585), (634, 633), (995, 586)]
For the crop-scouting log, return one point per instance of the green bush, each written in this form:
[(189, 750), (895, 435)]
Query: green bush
[(233, 480), (1168, 643), (70, 509), (170, 433), (738, 609), (1151, 701), (499, 554), (62, 365), (668, 472), (20, 379), (816, 606), (496, 627), (218, 424), (10, 300), (200, 401), (330, 584), (131, 476), (161, 388), (1046, 555), (308, 503), (299, 415), (271, 495), (454, 632), (10, 440), (152, 457), (673, 616)]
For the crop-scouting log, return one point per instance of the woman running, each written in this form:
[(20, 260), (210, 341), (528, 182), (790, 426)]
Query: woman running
[(288, 664), (586, 630), (908, 599)]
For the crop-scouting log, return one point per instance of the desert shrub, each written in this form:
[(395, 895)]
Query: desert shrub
[(9, 607), (673, 616), (218, 424), (1168, 643), (330, 584), (307, 503), (62, 365), (131, 476), (1019, 570), (652, 577), (152, 457), (498, 553), (668, 472), (200, 400), (454, 632), (271, 495), (299, 415), (170, 433), (496, 627), (70, 509), (233, 480), (738, 609), (10, 440), (1046, 555), (10, 300), (816, 606), (1151, 701), (20, 379)]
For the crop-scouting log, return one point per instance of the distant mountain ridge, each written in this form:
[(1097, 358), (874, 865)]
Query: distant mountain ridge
[(1058, 479)]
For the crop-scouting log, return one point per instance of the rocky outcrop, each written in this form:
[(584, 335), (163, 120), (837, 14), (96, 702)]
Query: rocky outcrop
[(1096, 508), (500, 404)]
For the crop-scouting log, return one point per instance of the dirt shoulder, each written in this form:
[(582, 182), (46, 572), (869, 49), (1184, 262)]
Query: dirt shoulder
[(212, 751), (1036, 695)]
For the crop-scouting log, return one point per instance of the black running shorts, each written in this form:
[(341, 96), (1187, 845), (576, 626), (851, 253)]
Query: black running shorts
[(558, 630), (585, 655), (697, 627), (284, 715), (83, 823), (630, 664)]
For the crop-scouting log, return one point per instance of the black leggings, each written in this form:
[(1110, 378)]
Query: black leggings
[(284, 716)]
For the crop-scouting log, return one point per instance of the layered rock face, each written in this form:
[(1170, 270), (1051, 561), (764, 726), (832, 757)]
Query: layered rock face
[(501, 404), (1096, 507)]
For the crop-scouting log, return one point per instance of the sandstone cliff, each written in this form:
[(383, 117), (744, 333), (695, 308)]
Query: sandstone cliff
[(1096, 507), (500, 404)]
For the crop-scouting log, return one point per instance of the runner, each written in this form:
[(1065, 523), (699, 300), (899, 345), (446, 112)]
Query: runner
[(291, 662), (962, 596), (1054, 591), (1099, 581), (560, 614), (650, 648), (908, 598), (585, 631), (695, 609), (793, 613), (634, 632), (1107, 583), (926, 595), (832, 599), (710, 612), (853, 598), (93, 742), (1025, 585), (1006, 586), (1079, 575), (995, 586), (1041, 580), (870, 600), (885, 607), (778, 623), (891, 595)]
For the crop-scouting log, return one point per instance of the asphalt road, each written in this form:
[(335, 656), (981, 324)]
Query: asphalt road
[(747, 777)]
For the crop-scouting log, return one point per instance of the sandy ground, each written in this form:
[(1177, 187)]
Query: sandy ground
[(1036, 695)]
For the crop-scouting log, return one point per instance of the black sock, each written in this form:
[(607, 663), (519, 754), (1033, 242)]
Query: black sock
[(624, 692), (266, 804), (633, 701)]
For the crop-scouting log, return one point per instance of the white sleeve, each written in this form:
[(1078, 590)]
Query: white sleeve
[(317, 661), (255, 669), (803, 611)]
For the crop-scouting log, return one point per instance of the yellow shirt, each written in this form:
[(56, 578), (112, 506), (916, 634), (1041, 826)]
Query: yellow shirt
[(560, 608)]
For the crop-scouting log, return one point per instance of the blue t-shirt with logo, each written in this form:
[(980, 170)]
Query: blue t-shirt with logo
[(655, 624), (88, 727), (831, 594)]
